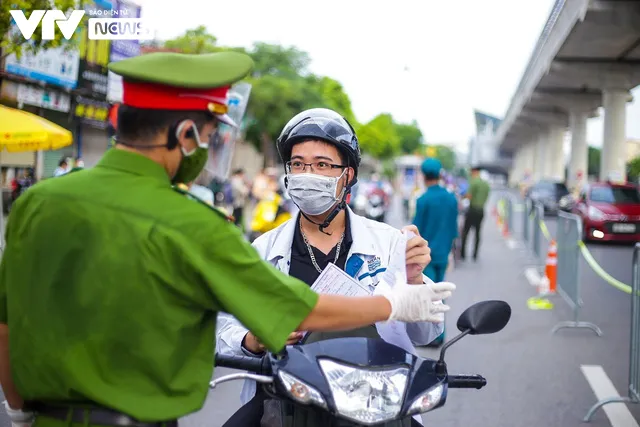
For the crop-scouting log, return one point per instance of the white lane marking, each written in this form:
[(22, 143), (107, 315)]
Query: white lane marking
[(532, 275), (618, 413)]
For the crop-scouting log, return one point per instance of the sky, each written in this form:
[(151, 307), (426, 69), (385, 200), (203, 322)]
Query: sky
[(432, 61)]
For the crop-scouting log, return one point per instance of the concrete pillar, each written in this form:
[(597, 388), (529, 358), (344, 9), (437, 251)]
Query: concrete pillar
[(555, 153), (540, 169), (612, 163), (578, 163), (528, 160)]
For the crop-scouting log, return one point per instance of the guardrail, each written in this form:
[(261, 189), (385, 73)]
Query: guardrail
[(569, 233), (633, 395), (570, 248)]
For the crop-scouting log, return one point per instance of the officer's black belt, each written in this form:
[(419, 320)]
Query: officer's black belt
[(93, 415)]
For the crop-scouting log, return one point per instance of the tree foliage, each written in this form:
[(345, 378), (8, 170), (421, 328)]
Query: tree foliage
[(634, 168), (593, 161), (410, 135), (379, 137), (197, 40), (443, 153), (283, 86), (13, 42)]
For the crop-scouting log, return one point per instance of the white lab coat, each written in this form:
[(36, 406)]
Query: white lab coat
[(369, 256)]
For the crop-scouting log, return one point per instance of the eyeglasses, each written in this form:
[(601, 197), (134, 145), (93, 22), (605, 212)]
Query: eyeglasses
[(297, 166)]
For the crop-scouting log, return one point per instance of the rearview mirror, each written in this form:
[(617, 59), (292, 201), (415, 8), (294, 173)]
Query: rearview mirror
[(485, 317)]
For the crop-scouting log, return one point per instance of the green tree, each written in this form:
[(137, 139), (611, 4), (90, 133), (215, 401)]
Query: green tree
[(634, 168), (379, 138), (12, 40), (446, 156), (443, 153), (275, 60), (283, 87), (410, 135), (196, 40), (593, 161), (333, 96)]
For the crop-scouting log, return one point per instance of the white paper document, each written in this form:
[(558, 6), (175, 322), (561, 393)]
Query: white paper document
[(334, 281), (397, 268)]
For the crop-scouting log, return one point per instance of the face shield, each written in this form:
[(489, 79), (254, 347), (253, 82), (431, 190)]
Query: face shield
[(222, 142)]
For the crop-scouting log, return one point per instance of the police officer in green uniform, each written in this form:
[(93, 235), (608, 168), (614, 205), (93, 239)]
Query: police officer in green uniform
[(111, 280)]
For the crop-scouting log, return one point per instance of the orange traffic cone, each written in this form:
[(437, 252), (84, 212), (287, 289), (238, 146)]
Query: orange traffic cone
[(551, 269)]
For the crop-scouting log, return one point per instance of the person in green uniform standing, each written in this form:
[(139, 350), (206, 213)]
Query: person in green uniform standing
[(478, 194), (112, 279)]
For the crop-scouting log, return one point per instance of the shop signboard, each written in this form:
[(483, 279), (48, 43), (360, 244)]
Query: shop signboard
[(121, 49)]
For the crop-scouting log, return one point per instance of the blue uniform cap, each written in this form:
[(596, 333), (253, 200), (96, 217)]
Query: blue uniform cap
[(431, 166)]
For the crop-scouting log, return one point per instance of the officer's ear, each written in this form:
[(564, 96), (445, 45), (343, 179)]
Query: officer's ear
[(180, 133), (185, 132)]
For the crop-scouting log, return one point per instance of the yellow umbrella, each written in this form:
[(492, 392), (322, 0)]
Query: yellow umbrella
[(23, 131)]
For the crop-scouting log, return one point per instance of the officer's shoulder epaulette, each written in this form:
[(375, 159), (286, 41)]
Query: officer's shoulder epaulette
[(182, 189)]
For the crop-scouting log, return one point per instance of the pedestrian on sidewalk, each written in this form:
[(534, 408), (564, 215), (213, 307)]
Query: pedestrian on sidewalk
[(437, 221), (478, 195)]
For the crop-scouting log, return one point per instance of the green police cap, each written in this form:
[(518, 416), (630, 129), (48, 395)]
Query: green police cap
[(178, 81)]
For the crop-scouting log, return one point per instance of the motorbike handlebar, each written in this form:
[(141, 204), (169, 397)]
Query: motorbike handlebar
[(467, 381), (243, 363)]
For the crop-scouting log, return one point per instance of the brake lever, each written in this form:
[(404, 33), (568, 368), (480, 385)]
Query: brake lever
[(241, 376)]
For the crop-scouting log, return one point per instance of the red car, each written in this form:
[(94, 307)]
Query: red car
[(610, 212)]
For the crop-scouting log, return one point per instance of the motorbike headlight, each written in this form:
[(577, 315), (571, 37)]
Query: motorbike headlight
[(427, 400), (596, 214), (300, 391), (366, 396)]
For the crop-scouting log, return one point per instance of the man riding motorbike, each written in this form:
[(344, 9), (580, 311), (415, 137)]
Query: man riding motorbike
[(321, 155)]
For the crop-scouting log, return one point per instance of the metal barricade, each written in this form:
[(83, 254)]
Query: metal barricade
[(569, 233), (538, 216), (526, 220), (634, 344), (509, 213)]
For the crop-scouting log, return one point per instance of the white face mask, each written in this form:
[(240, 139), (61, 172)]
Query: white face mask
[(314, 194)]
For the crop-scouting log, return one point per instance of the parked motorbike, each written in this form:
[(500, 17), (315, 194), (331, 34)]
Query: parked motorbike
[(349, 382), (375, 208), (271, 212)]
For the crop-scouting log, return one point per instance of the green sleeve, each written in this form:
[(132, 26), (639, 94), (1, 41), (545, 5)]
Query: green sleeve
[(267, 302), (4, 261)]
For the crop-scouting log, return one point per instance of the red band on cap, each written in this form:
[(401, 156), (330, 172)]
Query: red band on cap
[(161, 97)]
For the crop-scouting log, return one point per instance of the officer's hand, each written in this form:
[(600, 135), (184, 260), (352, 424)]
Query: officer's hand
[(419, 303), (18, 417), (418, 255)]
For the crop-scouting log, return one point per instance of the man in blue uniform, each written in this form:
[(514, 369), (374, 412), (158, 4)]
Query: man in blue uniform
[(437, 220)]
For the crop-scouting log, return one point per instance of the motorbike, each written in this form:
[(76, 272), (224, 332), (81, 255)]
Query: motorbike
[(348, 382), (270, 213), (375, 207)]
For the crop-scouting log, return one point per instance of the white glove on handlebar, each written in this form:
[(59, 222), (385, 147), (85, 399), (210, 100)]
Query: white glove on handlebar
[(419, 303), (18, 417)]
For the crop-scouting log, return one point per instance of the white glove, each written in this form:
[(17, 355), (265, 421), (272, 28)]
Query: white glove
[(419, 303), (18, 417)]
